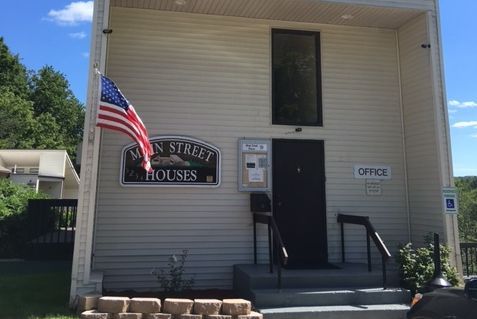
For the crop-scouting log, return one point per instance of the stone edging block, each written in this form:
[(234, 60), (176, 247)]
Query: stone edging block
[(127, 315), (157, 316), (177, 306), (218, 317), (207, 306), (252, 315), (94, 314), (88, 302), (145, 305), (236, 307), (113, 304)]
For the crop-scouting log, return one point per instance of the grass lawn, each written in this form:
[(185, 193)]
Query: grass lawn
[(35, 289)]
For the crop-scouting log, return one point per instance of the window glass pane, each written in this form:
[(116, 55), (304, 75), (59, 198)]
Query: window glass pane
[(295, 96)]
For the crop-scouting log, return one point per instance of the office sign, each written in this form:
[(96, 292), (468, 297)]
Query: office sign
[(176, 161), (372, 172)]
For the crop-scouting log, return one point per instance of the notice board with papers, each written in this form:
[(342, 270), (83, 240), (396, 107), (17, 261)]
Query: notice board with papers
[(254, 173)]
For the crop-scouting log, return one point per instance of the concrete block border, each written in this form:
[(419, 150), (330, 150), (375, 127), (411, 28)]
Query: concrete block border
[(95, 306)]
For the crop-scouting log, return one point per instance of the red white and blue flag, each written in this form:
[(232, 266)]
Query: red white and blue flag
[(116, 113)]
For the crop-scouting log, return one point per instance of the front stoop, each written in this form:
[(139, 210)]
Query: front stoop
[(347, 293), (352, 303), (338, 312), (271, 298)]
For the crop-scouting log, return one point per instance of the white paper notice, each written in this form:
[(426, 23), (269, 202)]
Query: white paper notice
[(256, 175), (373, 188)]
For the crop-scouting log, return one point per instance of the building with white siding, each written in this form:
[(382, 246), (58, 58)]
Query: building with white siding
[(340, 92), (48, 171)]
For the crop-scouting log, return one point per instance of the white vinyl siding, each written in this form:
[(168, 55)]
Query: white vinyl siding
[(70, 193), (420, 130), (209, 77)]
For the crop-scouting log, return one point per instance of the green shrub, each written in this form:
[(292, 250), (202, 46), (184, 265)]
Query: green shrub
[(416, 266), (13, 218), (172, 281), (14, 198)]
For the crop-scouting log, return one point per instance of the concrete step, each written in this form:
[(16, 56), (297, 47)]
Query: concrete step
[(250, 277), (390, 311), (271, 298)]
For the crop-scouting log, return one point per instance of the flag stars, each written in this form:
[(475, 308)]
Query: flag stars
[(111, 94)]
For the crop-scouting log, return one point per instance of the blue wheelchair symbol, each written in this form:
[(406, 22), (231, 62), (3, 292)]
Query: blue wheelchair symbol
[(450, 203)]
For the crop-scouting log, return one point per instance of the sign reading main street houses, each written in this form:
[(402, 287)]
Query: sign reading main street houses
[(176, 161)]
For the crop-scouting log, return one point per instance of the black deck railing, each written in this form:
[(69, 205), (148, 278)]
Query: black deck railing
[(280, 251), (51, 227), (370, 234), (468, 252)]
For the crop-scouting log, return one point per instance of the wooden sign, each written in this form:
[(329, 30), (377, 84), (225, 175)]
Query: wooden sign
[(176, 161)]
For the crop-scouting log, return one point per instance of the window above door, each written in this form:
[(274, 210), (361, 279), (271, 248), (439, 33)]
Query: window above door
[(296, 78)]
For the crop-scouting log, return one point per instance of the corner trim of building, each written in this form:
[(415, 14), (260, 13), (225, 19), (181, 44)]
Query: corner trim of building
[(443, 146), (81, 277)]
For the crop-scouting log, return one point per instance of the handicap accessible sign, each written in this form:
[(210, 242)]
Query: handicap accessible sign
[(449, 197)]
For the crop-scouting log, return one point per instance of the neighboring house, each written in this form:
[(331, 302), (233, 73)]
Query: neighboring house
[(48, 171), (343, 110)]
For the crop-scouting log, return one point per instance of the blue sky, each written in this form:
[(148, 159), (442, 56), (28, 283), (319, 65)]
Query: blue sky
[(459, 37), (58, 33)]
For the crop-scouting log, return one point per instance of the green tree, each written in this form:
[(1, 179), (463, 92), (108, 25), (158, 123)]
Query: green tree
[(13, 74), (38, 109), (467, 217), (17, 121), (53, 101)]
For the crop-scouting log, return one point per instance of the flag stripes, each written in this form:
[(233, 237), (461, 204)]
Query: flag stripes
[(116, 113)]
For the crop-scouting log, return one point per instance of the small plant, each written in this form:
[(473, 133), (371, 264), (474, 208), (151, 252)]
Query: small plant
[(416, 266), (172, 280)]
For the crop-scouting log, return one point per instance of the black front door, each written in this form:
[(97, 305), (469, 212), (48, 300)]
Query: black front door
[(299, 200)]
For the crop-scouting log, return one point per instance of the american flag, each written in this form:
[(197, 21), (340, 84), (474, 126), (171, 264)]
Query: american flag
[(116, 113)]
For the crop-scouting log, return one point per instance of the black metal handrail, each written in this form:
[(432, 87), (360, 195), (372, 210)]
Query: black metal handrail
[(280, 249), (370, 233), (468, 252)]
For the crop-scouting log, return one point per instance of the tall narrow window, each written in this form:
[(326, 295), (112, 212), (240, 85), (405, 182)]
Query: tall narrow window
[(296, 78)]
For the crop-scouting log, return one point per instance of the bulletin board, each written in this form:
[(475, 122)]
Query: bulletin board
[(254, 173)]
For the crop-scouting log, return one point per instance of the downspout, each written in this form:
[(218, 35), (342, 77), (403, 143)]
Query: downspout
[(403, 130)]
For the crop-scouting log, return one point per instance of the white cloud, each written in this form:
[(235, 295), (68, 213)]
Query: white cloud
[(73, 13), (77, 35), (462, 105), (453, 102), (474, 135), (452, 111), (465, 124), (85, 55)]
